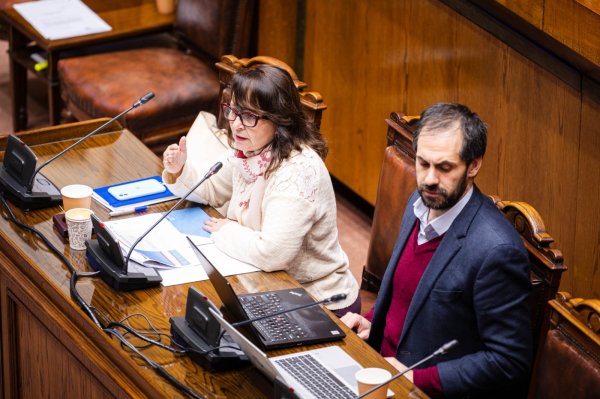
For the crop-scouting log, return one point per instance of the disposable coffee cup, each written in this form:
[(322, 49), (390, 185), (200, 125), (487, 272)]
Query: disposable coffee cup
[(76, 196), (165, 6), (370, 377), (79, 225)]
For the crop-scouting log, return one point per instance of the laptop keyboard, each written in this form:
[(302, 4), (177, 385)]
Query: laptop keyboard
[(277, 328), (314, 377)]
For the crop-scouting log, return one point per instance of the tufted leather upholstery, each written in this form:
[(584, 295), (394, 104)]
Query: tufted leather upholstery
[(568, 362), (396, 183), (184, 79)]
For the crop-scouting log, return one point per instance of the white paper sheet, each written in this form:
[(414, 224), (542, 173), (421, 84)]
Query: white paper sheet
[(168, 238), (60, 19)]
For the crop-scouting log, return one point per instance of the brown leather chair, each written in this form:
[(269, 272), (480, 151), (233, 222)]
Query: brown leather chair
[(184, 78), (397, 182), (567, 364)]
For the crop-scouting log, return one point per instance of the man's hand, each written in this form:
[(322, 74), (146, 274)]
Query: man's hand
[(215, 224), (175, 156), (400, 367), (357, 323)]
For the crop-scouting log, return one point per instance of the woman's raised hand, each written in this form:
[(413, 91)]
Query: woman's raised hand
[(175, 156)]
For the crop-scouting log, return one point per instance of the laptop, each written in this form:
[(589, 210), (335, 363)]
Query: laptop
[(313, 374), (302, 327)]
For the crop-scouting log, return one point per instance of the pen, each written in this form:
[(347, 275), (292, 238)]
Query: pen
[(127, 211)]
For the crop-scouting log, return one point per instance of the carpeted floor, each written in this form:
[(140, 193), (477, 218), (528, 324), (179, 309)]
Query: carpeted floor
[(354, 226)]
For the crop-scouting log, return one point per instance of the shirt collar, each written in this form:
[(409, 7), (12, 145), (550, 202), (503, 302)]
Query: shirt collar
[(442, 223)]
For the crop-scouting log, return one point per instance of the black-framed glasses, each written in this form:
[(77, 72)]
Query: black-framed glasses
[(249, 119)]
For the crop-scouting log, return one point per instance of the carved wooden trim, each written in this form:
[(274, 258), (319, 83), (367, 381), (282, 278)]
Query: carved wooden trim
[(400, 132)]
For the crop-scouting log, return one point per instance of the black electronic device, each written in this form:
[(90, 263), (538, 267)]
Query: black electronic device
[(104, 253), (295, 320), (23, 183), (201, 332)]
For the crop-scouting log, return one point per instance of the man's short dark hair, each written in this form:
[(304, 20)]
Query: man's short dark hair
[(474, 130)]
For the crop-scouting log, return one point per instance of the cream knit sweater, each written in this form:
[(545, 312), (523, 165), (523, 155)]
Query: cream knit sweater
[(298, 223)]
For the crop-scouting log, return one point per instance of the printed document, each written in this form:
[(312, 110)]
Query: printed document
[(61, 19), (166, 249)]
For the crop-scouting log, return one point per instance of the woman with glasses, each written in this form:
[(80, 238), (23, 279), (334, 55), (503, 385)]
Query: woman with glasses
[(282, 212)]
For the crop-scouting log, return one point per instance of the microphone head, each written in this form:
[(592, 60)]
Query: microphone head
[(147, 97), (446, 347), (214, 169), (144, 99), (337, 297)]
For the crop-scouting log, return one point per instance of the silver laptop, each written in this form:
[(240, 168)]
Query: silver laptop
[(313, 374)]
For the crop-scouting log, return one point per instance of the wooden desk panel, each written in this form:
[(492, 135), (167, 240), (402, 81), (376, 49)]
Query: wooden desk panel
[(50, 348)]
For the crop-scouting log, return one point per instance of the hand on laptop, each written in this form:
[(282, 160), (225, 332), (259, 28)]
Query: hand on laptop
[(400, 367), (359, 324)]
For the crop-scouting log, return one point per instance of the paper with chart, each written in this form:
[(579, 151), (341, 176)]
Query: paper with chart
[(166, 249), (61, 19)]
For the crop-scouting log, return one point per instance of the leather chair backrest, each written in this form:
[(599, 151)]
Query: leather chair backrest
[(397, 182), (567, 364), (214, 28), (312, 102)]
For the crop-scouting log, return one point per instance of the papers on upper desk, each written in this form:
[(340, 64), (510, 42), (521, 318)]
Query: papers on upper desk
[(61, 19), (166, 249)]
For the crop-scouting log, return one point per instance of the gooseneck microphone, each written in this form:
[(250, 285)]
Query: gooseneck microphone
[(24, 185), (442, 350), (104, 254), (213, 169), (143, 100), (334, 298)]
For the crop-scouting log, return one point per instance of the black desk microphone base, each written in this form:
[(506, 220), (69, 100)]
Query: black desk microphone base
[(217, 360)]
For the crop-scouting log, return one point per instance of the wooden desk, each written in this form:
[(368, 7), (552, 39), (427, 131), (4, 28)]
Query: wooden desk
[(51, 349), (128, 18)]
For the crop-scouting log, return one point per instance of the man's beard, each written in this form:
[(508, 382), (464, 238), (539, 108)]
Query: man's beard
[(445, 200)]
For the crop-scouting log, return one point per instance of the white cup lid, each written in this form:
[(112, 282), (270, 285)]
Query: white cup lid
[(76, 191)]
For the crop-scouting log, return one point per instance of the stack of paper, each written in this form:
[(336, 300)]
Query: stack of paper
[(166, 249), (60, 19)]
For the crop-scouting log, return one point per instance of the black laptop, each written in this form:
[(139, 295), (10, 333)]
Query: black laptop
[(301, 327)]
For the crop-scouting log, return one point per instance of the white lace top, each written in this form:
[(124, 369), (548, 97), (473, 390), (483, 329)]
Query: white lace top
[(298, 231)]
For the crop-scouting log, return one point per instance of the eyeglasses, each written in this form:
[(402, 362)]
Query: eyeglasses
[(249, 119)]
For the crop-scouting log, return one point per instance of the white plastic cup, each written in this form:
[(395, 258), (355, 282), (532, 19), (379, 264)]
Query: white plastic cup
[(76, 196), (369, 377), (79, 225)]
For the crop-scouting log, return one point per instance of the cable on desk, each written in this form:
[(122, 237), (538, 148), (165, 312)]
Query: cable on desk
[(88, 309)]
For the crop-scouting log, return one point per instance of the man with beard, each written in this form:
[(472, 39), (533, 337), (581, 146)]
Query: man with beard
[(458, 271)]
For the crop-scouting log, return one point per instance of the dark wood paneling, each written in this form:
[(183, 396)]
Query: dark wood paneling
[(530, 10), (586, 273), (277, 29), (574, 25), (57, 374), (370, 58)]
